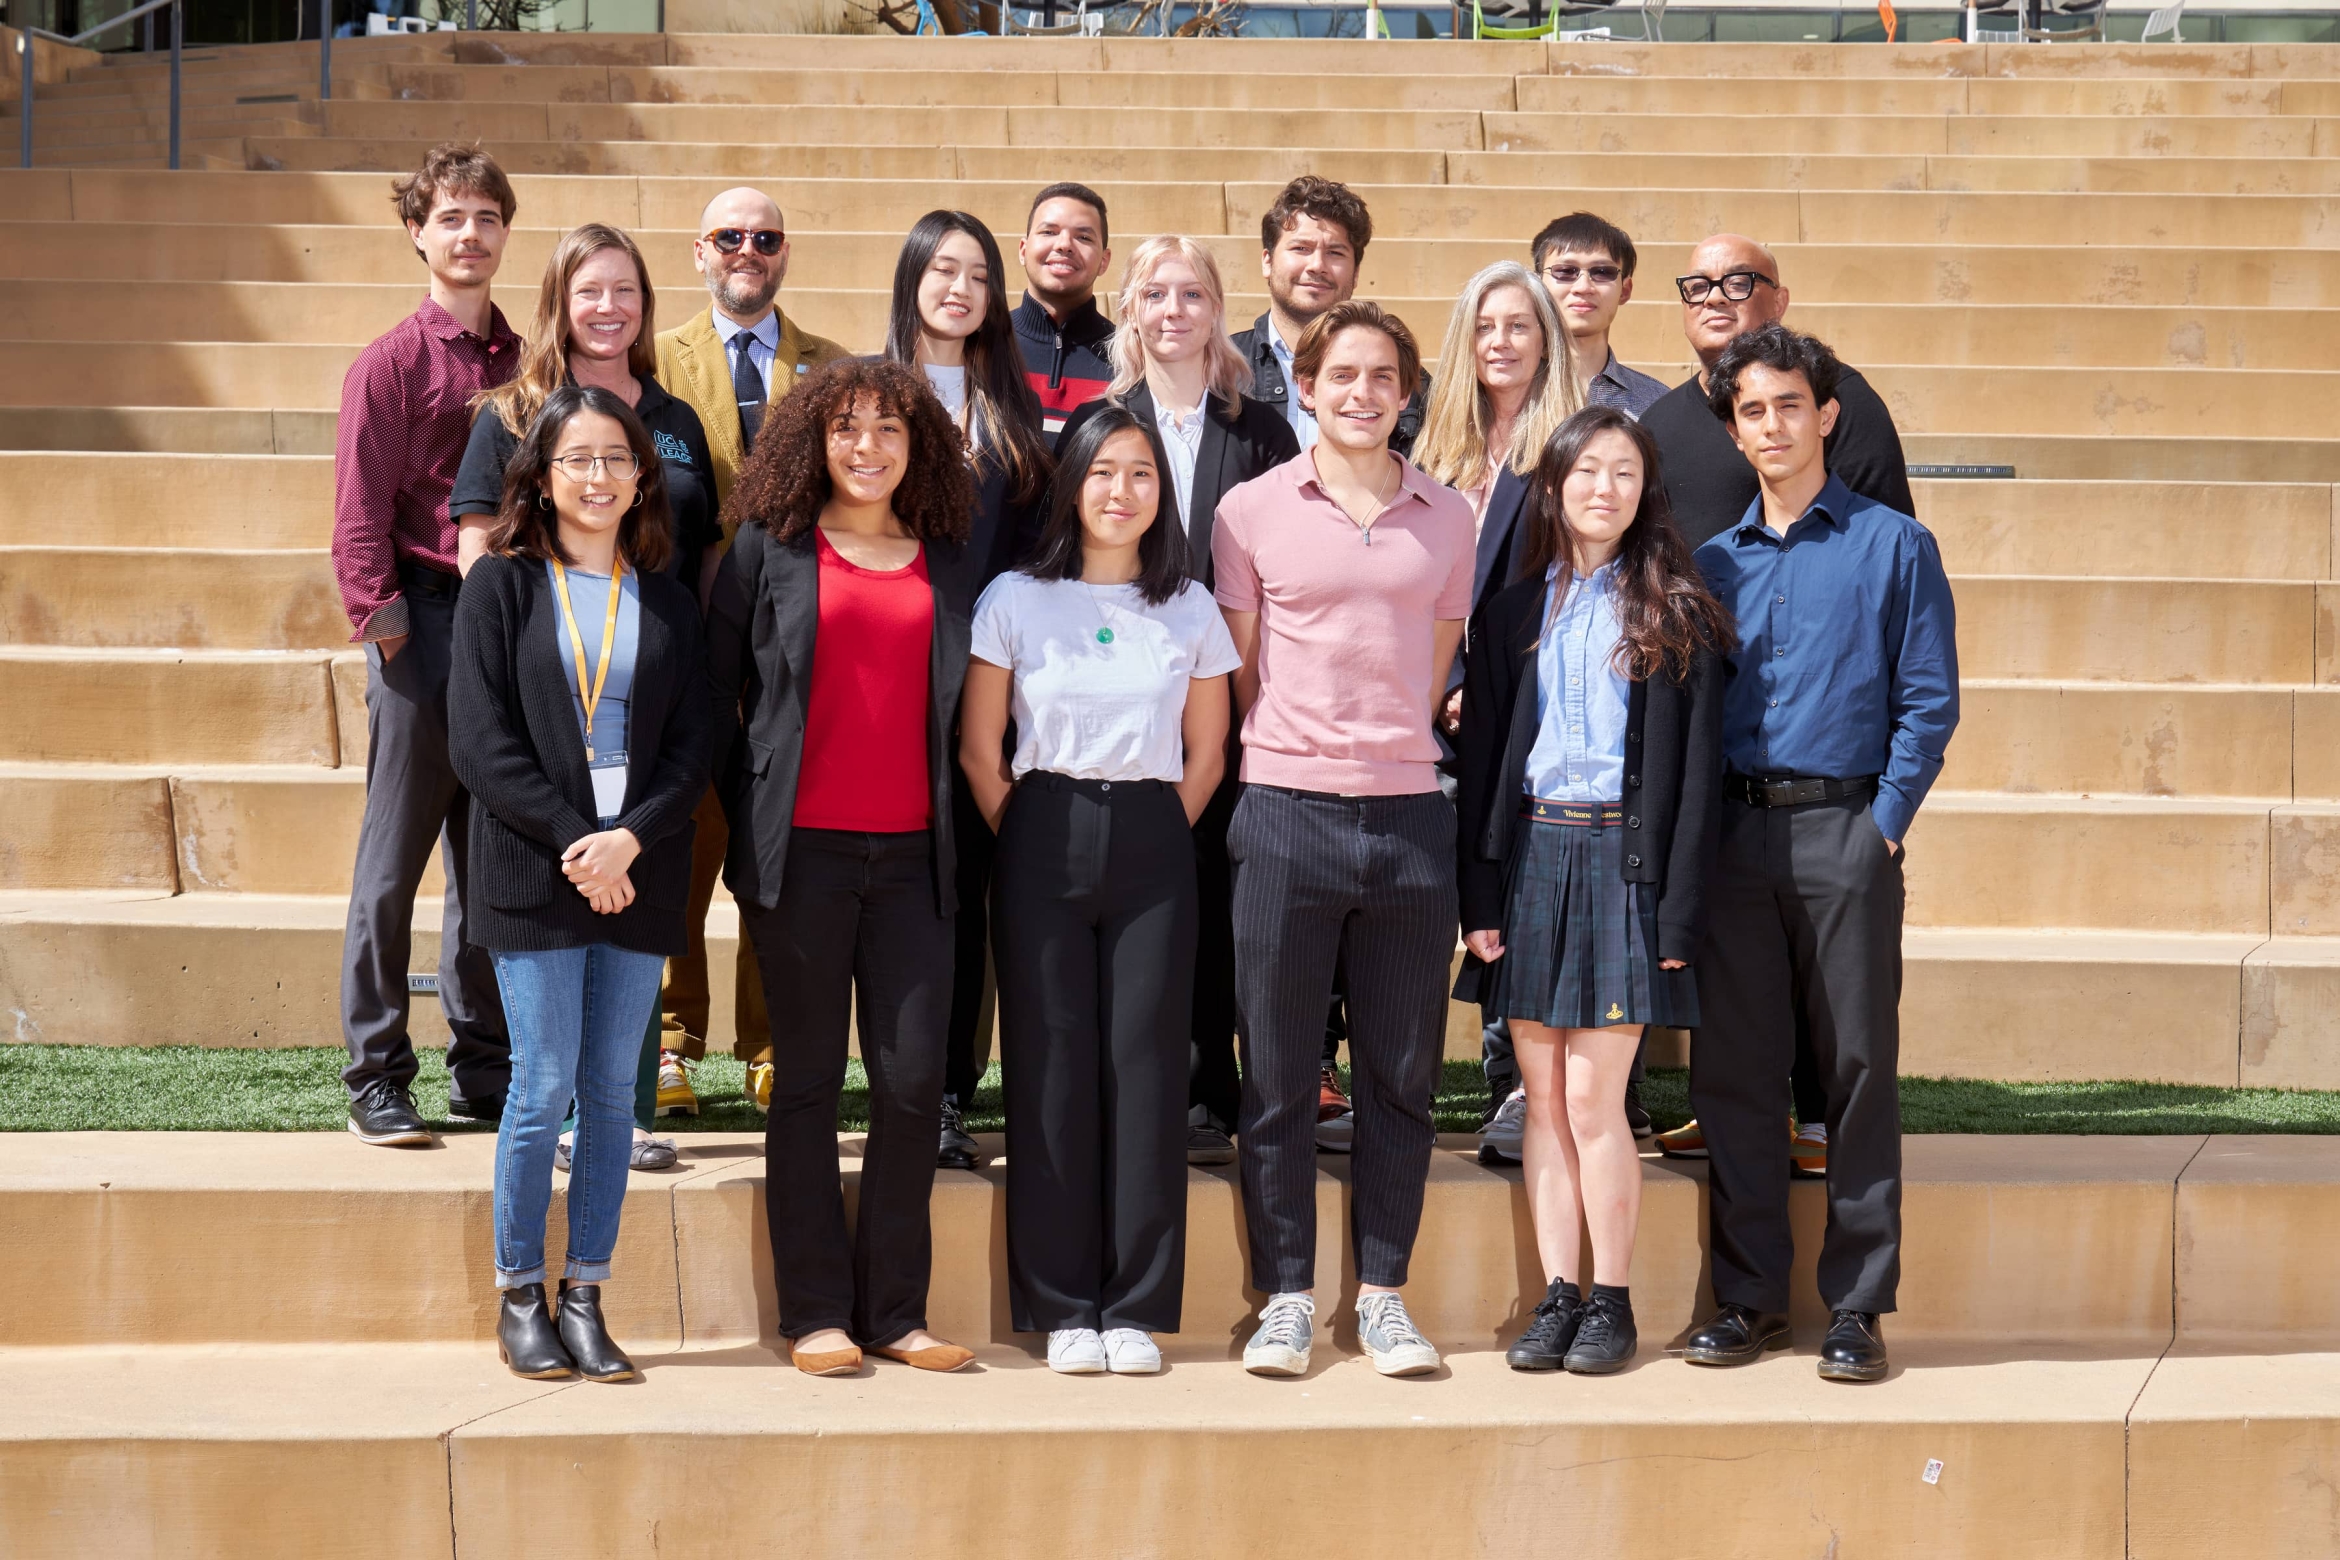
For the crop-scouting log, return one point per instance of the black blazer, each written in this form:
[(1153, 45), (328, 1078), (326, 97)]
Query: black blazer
[(512, 737), (761, 625), (1673, 776), (1240, 440)]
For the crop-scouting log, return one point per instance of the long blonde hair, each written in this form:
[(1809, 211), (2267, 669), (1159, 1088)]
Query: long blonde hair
[(1228, 375), (1452, 447), (544, 356)]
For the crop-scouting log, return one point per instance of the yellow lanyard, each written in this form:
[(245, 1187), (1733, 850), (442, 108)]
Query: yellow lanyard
[(589, 697)]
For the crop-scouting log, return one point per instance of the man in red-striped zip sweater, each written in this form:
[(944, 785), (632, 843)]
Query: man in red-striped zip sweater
[(1063, 335)]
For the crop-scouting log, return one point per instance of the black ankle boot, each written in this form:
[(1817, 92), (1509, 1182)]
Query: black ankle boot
[(1549, 1331), (1606, 1339), (588, 1340), (526, 1339)]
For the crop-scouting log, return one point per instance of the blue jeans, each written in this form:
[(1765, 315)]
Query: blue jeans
[(576, 1017)]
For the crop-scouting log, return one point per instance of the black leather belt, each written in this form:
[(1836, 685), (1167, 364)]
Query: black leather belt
[(1795, 790), (1578, 815), (1050, 780), (422, 580)]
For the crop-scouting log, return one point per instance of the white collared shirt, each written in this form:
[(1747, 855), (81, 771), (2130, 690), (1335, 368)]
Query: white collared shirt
[(1303, 421), (1183, 443)]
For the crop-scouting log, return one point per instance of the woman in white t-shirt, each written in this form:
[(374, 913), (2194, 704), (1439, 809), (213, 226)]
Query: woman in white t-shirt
[(1114, 666)]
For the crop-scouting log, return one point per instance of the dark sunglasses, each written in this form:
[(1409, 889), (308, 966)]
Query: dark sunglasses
[(1737, 286), (766, 240), (1604, 275)]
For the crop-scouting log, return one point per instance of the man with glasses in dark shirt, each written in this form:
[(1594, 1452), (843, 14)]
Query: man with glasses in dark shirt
[(1838, 705), (1734, 285)]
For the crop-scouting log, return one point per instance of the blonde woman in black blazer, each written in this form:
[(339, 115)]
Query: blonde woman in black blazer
[(582, 784)]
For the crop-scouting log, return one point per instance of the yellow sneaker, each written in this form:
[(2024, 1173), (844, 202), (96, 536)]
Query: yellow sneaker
[(1684, 1142), (676, 1097), (759, 1084), (1808, 1152)]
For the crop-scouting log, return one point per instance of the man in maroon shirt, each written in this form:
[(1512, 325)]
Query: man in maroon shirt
[(405, 418)]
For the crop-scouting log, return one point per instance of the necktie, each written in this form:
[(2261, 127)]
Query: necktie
[(747, 387)]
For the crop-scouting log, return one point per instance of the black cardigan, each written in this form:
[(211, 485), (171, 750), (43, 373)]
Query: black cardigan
[(761, 626), (1673, 776), (1240, 440), (513, 739)]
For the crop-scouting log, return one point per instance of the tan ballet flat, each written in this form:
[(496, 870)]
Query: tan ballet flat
[(826, 1362), (937, 1356)]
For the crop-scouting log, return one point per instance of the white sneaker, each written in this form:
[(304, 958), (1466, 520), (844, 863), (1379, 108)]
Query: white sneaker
[(1391, 1338), (1076, 1351), (1499, 1143), (1129, 1352), (1286, 1333)]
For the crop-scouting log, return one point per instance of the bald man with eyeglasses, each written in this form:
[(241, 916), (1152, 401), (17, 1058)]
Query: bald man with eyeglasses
[(1732, 285), (728, 363)]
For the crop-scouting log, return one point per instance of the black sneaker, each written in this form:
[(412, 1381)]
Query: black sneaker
[(1635, 1116), (1207, 1143), (1549, 1332), (958, 1150), (1606, 1339), (384, 1115), (485, 1112)]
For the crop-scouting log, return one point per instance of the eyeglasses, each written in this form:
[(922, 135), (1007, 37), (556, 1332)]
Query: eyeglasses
[(580, 467), (1602, 275), (766, 240), (1737, 286)]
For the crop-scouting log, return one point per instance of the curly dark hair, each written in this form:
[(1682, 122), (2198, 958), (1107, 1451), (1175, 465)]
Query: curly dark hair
[(786, 479), (525, 526), (1777, 348), (1327, 200), (1663, 606)]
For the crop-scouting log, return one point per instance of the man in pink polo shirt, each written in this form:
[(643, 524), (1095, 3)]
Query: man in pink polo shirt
[(1345, 576)]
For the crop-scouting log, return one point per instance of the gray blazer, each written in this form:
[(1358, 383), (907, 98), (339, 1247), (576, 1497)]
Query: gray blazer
[(761, 626)]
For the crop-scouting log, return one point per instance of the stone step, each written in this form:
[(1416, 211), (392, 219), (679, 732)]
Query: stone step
[(372, 251), (1925, 399), (1963, 135), (184, 706), (1663, 170), (2045, 1452), (49, 498), (1648, 333), (2060, 1240)]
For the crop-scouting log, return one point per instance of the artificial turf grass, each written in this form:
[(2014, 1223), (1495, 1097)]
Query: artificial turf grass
[(72, 1088)]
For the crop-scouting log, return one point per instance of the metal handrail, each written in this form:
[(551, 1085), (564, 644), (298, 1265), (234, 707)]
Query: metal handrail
[(24, 46)]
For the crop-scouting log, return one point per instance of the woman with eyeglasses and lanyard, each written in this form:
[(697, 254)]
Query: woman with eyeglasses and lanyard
[(951, 320), (577, 717), (1114, 665), (594, 317)]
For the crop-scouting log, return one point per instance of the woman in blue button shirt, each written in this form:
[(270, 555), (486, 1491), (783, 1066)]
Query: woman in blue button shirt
[(1591, 767)]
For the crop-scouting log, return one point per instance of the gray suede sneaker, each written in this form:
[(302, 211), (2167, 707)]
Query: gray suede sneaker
[(1286, 1333), (1391, 1338)]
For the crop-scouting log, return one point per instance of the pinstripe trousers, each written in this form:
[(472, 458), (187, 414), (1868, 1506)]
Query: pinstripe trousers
[(1366, 881)]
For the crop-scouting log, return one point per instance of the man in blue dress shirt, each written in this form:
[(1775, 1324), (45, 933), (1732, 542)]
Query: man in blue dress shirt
[(1841, 699)]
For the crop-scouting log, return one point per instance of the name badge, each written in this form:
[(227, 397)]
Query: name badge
[(609, 784)]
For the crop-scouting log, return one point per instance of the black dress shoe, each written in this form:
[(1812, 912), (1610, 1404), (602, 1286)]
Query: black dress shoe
[(487, 1111), (526, 1339), (1549, 1331), (384, 1115), (1737, 1335), (1636, 1117), (1854, 1349), (1606, 1339), (598, 1357), (957, 1149)]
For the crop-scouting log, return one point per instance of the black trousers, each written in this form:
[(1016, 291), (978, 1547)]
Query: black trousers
[(415, 805), (1803, 928), (1093, 916), (1366, 882), (856, 915), (1213, 1082), (973, 842)]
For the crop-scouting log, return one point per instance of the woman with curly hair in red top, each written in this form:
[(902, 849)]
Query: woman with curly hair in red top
[(836, 650)]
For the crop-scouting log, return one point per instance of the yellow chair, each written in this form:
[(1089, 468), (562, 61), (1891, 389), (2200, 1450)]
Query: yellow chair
[(1481, 29)]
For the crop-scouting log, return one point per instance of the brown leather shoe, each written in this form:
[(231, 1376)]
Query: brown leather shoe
[(937, 1356), (826, 1362)]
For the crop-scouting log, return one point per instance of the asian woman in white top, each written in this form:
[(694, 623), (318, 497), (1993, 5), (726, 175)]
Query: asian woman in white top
[(1114, 666)]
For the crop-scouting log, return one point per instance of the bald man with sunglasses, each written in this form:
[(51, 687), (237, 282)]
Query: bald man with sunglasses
[(731, 361), (1732, 285)]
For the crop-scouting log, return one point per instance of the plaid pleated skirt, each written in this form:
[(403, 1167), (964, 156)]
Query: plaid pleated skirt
[(1580, 943)]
